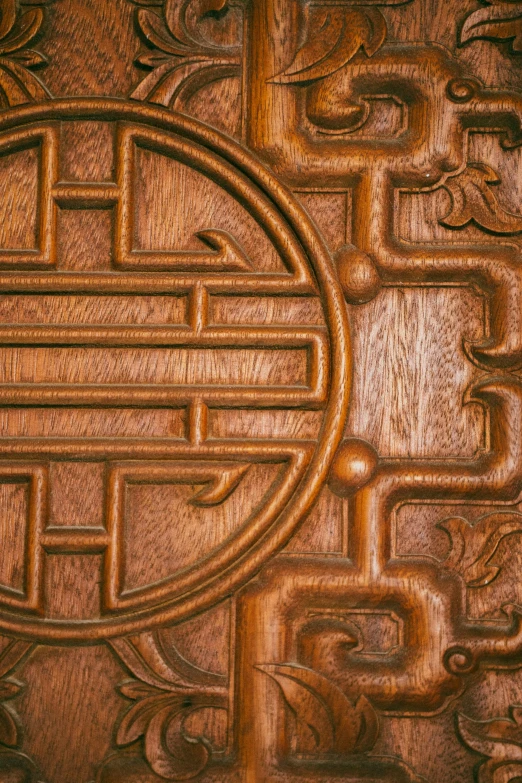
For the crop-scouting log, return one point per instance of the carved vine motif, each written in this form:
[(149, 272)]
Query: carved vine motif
[(473, 546), (180, 59), (500, 740), (322, 710), (165, 691), (498, 21), (18, 30), (472, 200)]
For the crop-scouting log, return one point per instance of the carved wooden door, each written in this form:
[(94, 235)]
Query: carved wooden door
[(260, 393)]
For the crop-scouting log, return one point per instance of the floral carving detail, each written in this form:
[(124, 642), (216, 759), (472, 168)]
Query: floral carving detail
[(472, 200), (323, 712), (335, 35), (473, 546), (499, 21), (18, 29), (500, 740), (11, 656), (181, 61), (14, 764), (167, 689)]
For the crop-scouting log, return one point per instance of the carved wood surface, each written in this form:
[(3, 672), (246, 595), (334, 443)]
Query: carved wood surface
[(260, 391)]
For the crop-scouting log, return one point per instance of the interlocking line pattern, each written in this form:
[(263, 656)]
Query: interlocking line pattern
[(305, 701)]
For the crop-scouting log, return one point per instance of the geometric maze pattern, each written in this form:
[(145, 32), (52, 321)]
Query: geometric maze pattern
[(329, 659), (197, 276)]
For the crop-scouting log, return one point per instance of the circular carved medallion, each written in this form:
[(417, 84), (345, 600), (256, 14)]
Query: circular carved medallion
[(240, 342)]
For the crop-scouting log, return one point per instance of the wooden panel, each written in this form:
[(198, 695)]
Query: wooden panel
[(260, 391)]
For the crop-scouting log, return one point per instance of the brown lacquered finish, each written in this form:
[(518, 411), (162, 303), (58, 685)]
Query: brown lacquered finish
[(260, 394)]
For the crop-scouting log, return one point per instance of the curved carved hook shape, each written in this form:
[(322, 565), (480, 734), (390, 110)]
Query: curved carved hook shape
[(335, 35), (180, 59), (18, 29)]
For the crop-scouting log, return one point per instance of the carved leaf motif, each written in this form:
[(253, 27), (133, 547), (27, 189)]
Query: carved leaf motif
[(473, 546), (29, 58), (500, 22), (7, 17), (335, 35), (8, 727), (12, 655), (144, 659), (159, 719), (18, 84), (164, 84), (138, 690), (473, 200), (499, 739), (135, 722), (163, 698), (182, 757), (181, 63), (157, 34), (30, 24), (9, 689), (336, 725)]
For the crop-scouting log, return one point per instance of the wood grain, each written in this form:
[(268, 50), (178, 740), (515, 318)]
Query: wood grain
[(260, 391)]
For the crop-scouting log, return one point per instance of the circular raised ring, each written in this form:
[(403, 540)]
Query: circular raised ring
[(291, 232)]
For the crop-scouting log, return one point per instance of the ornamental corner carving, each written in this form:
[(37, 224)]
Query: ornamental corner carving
[(165, 691), (215, 313), (180, 59), (20, 26)]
